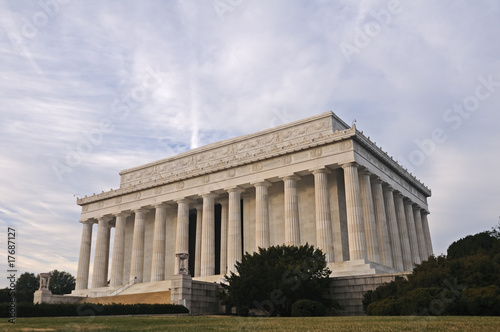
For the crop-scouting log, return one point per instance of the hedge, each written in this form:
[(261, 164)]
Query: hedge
[(308, 308), (90, 309)]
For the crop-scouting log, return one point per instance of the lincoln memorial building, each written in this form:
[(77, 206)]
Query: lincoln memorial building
[(317, 181)]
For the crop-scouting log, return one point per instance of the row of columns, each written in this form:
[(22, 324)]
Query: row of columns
[(382, 226)]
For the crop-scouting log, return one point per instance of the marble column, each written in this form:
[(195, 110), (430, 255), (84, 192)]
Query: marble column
[(392, 223), (403, 232), (159, 242), (427, 233), (223, 235), (262, 235), (324, 233), (199, 227), (108, 243), (412, 232), (118, 250), (137, 260), (372, 245), (182, 231), (208, 237), (100, 273), (384, 241), (355, 223), (292, 227), (82, 274), (234, 245), (422, 246)]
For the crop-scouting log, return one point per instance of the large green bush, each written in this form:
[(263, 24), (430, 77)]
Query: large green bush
[(308, 308), (271, 280), (460, 284)]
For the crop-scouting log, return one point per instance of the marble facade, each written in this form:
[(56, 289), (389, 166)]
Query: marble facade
[(316, 181)]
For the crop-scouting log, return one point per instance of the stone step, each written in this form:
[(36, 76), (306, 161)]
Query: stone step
[(148, 287)]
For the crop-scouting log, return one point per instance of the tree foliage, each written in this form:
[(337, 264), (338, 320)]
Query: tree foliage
[(466, 282), (481, 243), (272, 279), (26, 285), (61, 282)]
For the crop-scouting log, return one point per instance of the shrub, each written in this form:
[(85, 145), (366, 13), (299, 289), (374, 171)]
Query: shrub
[(484, 301), (308, 308), (271, 280)]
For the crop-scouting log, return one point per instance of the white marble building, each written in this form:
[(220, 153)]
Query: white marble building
[(315, 181)]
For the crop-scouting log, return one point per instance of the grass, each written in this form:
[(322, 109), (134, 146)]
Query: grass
[(232, 323)]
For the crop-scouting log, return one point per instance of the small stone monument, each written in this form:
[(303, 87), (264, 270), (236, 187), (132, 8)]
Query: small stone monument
[(43, 294)]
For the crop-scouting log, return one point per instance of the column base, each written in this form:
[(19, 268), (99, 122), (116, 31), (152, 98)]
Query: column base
[(357, 268)]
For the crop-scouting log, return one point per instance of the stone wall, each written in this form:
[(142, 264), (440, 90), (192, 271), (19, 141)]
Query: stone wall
[(349, 291), (204, 298), (46, 296)]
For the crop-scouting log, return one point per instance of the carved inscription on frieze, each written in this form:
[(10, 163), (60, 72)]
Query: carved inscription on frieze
[(242, 151)]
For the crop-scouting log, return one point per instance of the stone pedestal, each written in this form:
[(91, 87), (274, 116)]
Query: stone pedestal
[(42, 296), (357, 267), (181, 290)]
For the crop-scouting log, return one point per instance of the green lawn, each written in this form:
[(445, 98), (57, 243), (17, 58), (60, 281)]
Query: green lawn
[(227, 323)]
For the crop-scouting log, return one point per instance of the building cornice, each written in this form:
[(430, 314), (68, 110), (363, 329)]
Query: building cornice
[(391, 163)]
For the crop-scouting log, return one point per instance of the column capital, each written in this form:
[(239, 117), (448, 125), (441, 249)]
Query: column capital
[(416, 206), (183, 200), (160, 205), (350, 164), (123, 214), (105, 219), (387, 187), (261, 183), (291, 176), (399, 194), (364, 171), (141, 210), (88, 221), (209, 195), (234, 189), (407, 200), (320, 170)]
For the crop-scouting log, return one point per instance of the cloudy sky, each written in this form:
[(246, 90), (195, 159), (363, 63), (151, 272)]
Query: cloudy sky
[(89, 88)]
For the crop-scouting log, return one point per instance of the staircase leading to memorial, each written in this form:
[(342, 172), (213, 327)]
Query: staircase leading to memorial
[(124, 287)]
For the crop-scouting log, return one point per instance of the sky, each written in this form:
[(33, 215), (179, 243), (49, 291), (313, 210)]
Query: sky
[(89, 88)]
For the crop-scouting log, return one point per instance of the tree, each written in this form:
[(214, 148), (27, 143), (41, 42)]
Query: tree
[(5, 295), (61, 282), (272, 279), (481, 243), (26, 286), (466, 282)]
